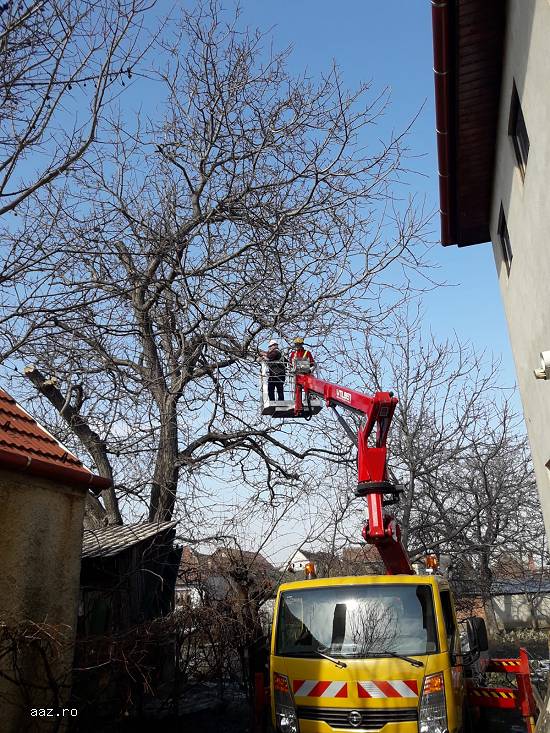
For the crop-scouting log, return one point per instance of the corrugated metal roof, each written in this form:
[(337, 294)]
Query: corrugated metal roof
[(109, 541), (27, 446)]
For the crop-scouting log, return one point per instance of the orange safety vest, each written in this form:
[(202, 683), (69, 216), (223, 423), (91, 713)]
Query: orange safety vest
[(296, 355)]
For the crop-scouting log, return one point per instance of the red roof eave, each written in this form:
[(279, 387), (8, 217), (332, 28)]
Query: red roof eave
[(27, 447), (442, 71), (37, 467), (468, 46)]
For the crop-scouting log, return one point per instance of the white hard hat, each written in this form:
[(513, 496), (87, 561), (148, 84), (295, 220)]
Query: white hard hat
[(273, 342)]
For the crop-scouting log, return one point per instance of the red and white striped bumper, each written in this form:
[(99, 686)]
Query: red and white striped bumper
[(366, 689), (319, 688), (388, 688)]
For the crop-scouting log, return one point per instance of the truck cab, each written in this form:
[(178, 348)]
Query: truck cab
[(366, 653)]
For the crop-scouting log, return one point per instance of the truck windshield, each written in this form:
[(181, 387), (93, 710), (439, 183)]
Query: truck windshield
[(357, 621)]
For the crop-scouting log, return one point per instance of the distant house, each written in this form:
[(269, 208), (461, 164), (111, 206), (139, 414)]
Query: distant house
[(233, 556), (357, 560), (43, 488), (204, 577), (519, 595), (522, 603), (323, 561), (242, 564), (361, 560), (193, 574)]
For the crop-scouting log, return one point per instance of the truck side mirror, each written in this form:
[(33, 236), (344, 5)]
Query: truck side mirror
[(473, 639), (479, 632)]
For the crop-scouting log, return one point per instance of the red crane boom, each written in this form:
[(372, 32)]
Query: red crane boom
[(382, 529)]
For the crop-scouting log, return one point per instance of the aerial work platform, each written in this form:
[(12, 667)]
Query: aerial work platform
[(286, 407)]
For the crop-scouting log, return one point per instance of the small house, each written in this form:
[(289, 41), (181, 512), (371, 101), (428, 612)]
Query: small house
[(43, 489)]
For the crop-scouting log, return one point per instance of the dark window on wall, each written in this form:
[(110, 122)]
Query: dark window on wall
[(504, 239), (518, 131)]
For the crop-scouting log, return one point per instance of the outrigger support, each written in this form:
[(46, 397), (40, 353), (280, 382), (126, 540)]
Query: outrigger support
[(521, 698)]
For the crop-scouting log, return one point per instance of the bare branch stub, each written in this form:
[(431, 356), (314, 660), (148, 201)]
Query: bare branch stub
[(89, 438)]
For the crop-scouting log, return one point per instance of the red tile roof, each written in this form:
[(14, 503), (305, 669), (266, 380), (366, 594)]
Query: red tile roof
[(28, 447)]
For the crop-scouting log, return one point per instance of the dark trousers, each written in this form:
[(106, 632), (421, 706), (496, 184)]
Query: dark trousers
[(272, 383)]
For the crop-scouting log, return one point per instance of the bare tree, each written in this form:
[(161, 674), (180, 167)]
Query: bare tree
[(486, 504), (444, 389), (61, 63), (253, 205), (460, 451)]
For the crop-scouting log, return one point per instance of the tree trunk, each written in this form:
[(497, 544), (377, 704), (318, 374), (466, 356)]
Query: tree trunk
[(486, 579), (165, 477)]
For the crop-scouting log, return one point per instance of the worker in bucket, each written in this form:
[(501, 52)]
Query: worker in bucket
[(276, 368), (300, 352)]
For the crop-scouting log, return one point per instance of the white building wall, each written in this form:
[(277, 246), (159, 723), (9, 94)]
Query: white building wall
[(187, 594), (298, 561), (526, 289), (520, 611)]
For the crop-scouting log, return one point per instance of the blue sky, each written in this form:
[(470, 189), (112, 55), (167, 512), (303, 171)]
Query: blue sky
[(390, 43)]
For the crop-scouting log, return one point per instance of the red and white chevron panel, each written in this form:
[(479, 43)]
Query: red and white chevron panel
[(319, 688), (388, 688)]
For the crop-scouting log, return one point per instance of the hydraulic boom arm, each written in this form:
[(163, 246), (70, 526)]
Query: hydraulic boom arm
[(382, 529)]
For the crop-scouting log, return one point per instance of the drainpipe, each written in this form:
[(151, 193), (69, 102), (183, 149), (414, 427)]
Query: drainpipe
[(442, 67)]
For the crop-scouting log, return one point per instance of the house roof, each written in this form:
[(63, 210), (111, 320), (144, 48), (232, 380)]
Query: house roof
[(361, 553), (531, 583), (318, 556), (27, 447), (468, 39), (238, 556), (109, 541), (194, 565), (520, 586)]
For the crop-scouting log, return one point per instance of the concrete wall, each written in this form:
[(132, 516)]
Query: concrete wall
[(40, 548), (526, 202)]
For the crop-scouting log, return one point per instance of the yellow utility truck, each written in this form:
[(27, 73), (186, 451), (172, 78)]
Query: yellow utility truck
[(367, 653), (382, 652)]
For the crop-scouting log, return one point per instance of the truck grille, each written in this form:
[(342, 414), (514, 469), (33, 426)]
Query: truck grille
[(372, 718)]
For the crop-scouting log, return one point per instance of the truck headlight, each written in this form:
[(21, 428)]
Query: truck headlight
[(286, 719), (433, 711)]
